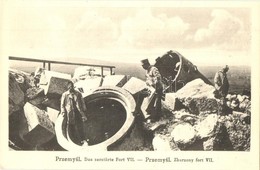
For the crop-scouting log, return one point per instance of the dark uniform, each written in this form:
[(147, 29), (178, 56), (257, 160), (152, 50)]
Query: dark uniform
[(73, 106), (154, 79), (221, 83), (222, 87)]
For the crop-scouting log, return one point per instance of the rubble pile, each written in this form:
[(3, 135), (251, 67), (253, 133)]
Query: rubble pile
[(193, 119), (197, 124), (36, 107), (198, 97), (240, 103), (19, 82)]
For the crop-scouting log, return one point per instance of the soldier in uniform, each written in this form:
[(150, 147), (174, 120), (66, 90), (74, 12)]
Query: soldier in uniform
[(74, 108), (222, 87), (154, 79), (221, 81)]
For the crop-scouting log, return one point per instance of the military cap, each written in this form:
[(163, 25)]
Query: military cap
[(145, 61)]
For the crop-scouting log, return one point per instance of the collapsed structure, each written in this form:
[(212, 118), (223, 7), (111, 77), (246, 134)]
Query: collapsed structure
[(191, 118)]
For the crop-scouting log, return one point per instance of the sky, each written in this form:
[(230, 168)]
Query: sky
[(126, 33)]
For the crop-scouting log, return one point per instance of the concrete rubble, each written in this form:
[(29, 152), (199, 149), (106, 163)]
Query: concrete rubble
[(54, 83), (205, 128), (198, 97), (41, 129), (183, 134), (35, 96), (115, 80), (87, 86), (194, 123), (52, 114), (16, 95), (191, 117), (161, 143), (240, 103)]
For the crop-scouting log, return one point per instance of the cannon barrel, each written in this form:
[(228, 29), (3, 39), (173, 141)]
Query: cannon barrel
[(177, 71)]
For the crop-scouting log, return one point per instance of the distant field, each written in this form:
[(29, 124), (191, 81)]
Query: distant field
[(239, 77)]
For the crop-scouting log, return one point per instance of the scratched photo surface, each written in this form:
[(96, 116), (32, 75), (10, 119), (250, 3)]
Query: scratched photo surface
[(86, 78)]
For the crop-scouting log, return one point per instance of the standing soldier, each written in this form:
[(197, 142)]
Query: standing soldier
[(73, 107), (154, 79), (221, 81), (222, 86)]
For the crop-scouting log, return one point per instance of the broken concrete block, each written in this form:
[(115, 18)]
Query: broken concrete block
[(196, 88), (244, 104), (87, 86), (22, 78), (238, 131), (13, 107), (205, 128), (57, 86), (34, 92), (53, 103), (115, 80), (198, 97), (169, 102), (161, 143), (184, 135), (54, 83), (134, 85), (53, 114), (41, 129), (16, 95), (35, 96), (208, 145)]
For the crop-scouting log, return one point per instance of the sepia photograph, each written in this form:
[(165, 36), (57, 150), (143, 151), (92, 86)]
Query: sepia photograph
[(129, 85)]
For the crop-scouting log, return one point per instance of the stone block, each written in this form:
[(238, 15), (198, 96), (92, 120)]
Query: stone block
[(161, 143), (53, 114), (198, 97), (237, 131), (34, 92), (57, 86), (40, 127), (35, 96), (208, 145), (16, 95), (134, 85), (53, 103), (87, 86), (183, 135), (23, 79), (115, 80), (54, 83), (169, 102), (205, 128)]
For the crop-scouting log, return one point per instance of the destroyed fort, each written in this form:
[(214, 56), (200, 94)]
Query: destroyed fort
[(192, 118)]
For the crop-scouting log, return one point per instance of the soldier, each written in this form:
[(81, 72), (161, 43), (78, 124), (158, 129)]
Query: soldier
[(73, 107), (221, 82), (154, 79), (222, 86)]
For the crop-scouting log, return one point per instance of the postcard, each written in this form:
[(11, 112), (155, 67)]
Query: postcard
[(129, 84)]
